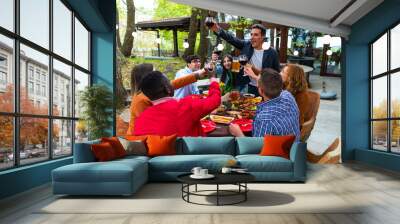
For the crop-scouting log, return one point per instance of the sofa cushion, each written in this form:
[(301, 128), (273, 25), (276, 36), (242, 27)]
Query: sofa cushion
[(257, 163), (112, 171), (277, 145), (249, 145), (116, 145), (83, 152), (161, 145), (207, 145), (136, 147), (185, 163), (103, 152)]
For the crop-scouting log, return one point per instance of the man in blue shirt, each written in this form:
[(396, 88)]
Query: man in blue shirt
[(278, 114), (192, 65)]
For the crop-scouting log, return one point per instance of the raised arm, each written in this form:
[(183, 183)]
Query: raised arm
[(202, 107), (238, 43)]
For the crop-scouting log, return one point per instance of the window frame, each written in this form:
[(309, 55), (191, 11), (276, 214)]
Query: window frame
[(388, 74), (16, 114)]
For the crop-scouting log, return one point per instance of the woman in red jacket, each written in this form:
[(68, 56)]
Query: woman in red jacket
[(167, 115)]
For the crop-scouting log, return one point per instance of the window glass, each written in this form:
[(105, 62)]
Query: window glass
[(33, 140), (395, 47), (379, 56), (6, 142), (81, 45), (7, 14), (34, 21), (6, 74), (62, 138), (81, 82), (395, 95), (62, 29), (379, 135), (62, 91), (379, 98), (39, 62), (395, 136)]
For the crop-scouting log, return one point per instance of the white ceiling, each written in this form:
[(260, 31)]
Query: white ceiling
[(308, 14)]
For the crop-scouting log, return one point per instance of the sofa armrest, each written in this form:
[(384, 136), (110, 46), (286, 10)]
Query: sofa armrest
[(298, 157), (83, 152)]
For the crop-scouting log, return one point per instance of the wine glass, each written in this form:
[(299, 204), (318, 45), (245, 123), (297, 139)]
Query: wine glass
[(243, 60), (209, 23)]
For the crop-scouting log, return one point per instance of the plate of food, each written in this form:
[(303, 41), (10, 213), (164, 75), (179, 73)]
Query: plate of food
[(221, 119), (208, 126), (246, 125), (234, 113)]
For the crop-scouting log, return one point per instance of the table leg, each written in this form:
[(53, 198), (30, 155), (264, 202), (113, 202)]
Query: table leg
[(217, 194), (196, 187), (245, 193)]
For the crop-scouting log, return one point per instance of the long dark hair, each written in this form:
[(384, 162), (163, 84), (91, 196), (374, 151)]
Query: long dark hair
[(137, 74), (225, 71)]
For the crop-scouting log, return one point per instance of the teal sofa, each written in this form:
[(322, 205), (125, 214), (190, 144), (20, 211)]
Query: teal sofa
[(125, 176)]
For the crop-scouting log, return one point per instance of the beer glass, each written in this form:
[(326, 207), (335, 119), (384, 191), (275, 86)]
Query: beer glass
[(235, 64)]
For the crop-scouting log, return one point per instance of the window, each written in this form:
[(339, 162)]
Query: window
[(44, 91), (30, 88), (45, 131), (30, 72), (3, 78), (385, 94), (3, 72), (38, 89)]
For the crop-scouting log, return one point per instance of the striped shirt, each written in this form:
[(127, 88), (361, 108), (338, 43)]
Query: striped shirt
[(278, 116)]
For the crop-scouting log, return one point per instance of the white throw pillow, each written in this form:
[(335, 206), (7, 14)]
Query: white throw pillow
[(136, 148)]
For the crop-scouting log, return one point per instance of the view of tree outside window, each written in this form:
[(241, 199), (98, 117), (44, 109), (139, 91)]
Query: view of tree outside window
[(44, 132), (385, 79)]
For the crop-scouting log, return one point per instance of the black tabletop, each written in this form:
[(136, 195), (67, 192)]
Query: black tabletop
[(220, 178)]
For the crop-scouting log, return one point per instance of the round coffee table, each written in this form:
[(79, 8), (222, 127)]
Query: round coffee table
[(238, 179)]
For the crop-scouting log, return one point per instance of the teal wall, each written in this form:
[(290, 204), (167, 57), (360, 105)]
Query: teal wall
[(99, 16), (356, 97)]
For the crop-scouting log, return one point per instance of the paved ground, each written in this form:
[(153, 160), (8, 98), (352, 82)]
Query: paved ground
[(328, 124)]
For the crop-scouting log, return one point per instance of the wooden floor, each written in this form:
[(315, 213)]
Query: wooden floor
[(378, 189)]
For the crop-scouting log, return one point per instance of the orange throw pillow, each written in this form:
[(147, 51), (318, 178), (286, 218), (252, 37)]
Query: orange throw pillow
[(161, 145), (277, 145), (103, 152), (116, 145)]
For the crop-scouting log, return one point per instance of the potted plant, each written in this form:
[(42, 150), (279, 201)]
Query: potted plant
[(96, 102)]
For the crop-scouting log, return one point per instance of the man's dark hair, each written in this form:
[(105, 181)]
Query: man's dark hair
[(260, 27), (271, 83), (137, 74), (155, 85), (190, 58), (217, 52)]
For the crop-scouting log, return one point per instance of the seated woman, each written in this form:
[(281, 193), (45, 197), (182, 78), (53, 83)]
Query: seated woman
[(140, 102), (295, 82), (228, 78)]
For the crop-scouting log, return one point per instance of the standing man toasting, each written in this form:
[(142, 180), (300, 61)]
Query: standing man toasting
[(259, 58)]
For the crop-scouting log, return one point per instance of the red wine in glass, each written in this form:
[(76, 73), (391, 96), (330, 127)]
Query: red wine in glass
[(243, 60), (209, 22)]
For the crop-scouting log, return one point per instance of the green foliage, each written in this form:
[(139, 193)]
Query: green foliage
[(97, 103), (240, 24), (167, 9), (168, 66)]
